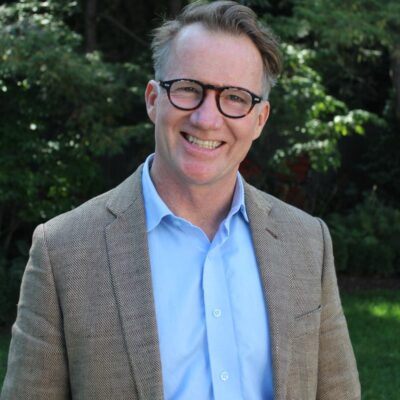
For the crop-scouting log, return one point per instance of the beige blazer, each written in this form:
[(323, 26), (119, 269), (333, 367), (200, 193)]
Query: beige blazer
[(86, 326)]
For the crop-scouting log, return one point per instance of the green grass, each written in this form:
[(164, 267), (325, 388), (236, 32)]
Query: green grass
[(374, 324)]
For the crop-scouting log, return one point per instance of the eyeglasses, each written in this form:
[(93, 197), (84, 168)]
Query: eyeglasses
[(189, 94)]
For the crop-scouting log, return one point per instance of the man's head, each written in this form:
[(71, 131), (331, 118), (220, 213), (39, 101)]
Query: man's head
[(220, 16), (208, 101)]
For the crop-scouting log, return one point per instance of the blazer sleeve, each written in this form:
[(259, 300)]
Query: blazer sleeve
[(337, 371), (37, 361)]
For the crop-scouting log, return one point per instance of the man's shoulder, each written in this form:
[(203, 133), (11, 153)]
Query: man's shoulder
[(277, 208), (279, 211), (95, 207), (303, 234), (97, 212)]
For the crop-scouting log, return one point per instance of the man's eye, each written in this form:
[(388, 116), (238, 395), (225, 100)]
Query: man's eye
[(236, 99), (187, 89)]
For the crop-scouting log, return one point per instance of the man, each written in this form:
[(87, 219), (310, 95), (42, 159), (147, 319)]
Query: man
[(185, 282)]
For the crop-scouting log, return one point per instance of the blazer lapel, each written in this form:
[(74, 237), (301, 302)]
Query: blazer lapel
[(131, 276), (276, 275)]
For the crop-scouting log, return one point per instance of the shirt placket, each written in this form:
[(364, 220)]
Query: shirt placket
[(221, 340)]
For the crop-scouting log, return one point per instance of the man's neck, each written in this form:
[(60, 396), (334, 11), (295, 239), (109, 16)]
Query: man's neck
[(203, 205)]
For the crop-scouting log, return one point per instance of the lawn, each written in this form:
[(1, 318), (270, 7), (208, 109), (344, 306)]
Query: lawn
[(374, 323)]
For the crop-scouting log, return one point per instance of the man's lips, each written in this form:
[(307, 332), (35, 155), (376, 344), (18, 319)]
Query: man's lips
[(205, 144)]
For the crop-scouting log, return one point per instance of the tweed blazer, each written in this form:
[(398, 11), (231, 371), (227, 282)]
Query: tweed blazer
[(86, 326)]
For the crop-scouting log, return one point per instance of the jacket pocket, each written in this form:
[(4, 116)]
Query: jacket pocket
[(307, 322), (303, 373)]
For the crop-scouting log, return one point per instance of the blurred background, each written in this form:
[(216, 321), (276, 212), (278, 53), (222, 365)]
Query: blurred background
[(73, 124)]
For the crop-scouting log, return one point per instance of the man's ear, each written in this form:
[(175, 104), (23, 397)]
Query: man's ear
[(150, 97), (262, 118)]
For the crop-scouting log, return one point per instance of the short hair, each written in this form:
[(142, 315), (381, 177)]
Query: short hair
[(220, 16)]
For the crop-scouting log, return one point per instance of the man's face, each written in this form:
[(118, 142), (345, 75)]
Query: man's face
[(202, 146)]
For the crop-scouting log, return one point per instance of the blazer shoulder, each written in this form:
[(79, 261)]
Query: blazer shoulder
[(96, 213), (278, 210), (91, 209)]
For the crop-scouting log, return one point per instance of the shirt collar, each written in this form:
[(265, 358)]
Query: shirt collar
[(156, 209), (238, 204)]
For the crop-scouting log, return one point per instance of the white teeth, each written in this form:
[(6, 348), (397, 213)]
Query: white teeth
[(206, 144)]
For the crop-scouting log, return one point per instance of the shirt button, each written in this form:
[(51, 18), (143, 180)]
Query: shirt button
[(217, 312), (224, 376)]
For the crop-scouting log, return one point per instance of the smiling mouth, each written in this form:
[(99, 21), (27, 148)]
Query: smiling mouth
[(205, 144)]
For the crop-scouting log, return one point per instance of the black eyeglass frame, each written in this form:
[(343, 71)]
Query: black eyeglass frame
[(218, 89)]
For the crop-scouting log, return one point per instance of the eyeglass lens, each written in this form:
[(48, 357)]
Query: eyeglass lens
[(188, 95)]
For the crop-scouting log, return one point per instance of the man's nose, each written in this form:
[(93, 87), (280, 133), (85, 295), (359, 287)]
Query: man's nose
[(207, 116)]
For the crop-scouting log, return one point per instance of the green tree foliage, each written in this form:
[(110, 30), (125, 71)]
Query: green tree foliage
[(365, 26), (366, 240), (307, 121), (355, 46), (306, 118), (363, 37), (60, 111)]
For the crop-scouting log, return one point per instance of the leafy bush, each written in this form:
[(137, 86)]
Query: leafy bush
[(61, 111), (308, 119), (366, 241)]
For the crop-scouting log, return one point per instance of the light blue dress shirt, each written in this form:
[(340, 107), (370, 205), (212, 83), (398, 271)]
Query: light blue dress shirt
[(210, 308)]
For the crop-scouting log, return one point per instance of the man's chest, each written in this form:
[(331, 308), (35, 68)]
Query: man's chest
[(211, 313)]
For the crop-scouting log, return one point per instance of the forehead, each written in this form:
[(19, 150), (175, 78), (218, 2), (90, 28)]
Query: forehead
[(215, 57)]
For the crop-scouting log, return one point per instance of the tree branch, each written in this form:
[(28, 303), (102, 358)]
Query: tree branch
[(395, 58), (90, 25), (125, 29)]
